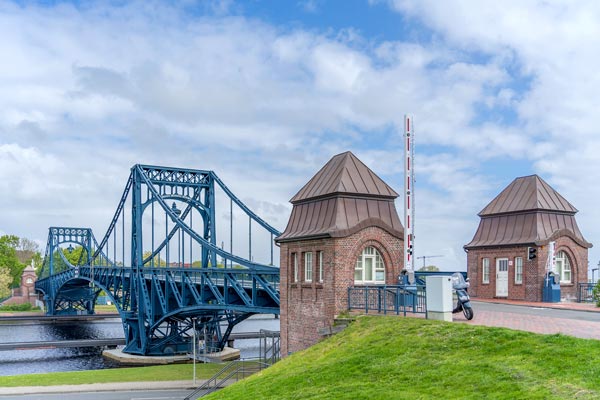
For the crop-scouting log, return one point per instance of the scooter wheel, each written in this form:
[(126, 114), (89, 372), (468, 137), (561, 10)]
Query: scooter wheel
[(468, 311)]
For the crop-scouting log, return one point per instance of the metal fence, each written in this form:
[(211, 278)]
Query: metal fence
[(388, 299), (585, 292)]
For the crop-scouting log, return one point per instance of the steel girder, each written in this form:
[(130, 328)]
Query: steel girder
[(172, 297)]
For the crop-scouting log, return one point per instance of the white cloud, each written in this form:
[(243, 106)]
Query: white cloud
[(550, 49), (92, 89)]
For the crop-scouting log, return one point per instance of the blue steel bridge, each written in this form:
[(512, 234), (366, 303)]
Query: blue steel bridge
[(161, 264)]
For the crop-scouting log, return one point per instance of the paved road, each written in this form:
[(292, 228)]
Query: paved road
[(538, 310), (582, 324), (117, 395)]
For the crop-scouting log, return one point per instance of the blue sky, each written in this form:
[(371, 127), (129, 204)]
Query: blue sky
[(266, 92)]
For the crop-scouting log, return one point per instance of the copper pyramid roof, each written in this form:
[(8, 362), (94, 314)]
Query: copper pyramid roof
[(344, 197), (344, 174), (528, 193), (527, 211)]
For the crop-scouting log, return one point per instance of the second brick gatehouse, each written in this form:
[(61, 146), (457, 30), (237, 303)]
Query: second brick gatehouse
[(527, 214)]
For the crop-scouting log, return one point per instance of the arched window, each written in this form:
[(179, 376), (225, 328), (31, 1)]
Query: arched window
[(562, 267), (369, 267)]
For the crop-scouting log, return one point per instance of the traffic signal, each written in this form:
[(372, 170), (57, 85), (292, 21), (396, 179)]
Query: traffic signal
[(531, 253)]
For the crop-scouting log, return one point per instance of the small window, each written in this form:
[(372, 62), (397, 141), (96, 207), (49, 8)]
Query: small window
[(518, 270), (485, 270), (562, 267), (295, 266), (308, 266), (320, 266)]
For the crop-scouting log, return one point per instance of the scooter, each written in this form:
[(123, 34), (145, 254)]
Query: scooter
[(459, 285)]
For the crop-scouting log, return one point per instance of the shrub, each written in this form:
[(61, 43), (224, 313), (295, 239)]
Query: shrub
[(18, 307), (596, 293)]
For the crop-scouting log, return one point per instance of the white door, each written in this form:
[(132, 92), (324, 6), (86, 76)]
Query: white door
[(502, 277)]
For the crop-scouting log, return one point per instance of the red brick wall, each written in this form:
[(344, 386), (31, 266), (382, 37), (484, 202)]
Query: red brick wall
[(24, 294), (533, 271), (307, 307)]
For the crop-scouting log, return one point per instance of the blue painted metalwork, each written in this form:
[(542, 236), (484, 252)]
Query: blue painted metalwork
[(158, 299), (585, 292), (385, 299)]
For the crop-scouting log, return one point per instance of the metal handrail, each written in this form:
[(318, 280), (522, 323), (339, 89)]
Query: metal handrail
[(585, 292), (236, 369), (388, 299)]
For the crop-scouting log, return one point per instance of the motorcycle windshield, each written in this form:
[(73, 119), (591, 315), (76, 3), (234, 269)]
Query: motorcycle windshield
[(458, 281)]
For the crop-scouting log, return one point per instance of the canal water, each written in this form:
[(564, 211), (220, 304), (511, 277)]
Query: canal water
[(79, 359)]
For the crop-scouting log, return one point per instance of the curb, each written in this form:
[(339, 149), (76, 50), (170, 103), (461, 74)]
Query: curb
[(101, 387)]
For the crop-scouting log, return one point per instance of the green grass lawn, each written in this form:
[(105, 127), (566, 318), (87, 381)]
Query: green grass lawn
[(101, 309), (405, 358), (175, 372), (397, 358)]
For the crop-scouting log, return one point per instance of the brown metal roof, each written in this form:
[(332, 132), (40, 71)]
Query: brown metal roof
[(528, 211), (344, 197), (340, 217), (536, 227), (344, 173), (528, 193)]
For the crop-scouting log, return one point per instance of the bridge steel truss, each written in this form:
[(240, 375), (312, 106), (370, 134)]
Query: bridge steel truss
[(161, 301)]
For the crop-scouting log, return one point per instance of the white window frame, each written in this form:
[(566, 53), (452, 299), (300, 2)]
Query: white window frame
[(308, 266), (295, 264), (560, 261), (485, 270), (378, 267), (320, 266), (518, 270)]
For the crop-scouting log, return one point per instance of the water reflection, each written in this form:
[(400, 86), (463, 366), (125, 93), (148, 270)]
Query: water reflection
[(78, 359)]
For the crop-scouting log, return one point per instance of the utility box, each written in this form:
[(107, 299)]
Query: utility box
[(551, 289), (438, 291)]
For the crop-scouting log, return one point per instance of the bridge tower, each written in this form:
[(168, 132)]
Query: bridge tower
[(343, 231), (76, 296)]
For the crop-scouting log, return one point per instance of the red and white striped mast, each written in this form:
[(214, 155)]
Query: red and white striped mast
[(409, 204)]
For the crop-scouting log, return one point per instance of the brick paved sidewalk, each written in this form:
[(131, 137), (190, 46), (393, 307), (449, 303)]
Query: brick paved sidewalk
[(535, 323)]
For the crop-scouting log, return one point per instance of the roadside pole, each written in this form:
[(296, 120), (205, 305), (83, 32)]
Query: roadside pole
[(194, 347)]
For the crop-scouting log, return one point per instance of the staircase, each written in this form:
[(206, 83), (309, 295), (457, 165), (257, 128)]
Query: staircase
[(232, 372)]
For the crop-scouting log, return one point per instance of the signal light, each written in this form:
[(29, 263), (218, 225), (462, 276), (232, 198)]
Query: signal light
[(531, 253)]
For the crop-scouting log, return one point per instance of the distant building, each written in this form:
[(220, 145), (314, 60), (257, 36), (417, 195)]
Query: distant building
[(343, 231), (528, 213), (26, 292)]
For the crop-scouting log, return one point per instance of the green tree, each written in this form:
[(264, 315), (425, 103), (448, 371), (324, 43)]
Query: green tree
[(5, 281), (75, 255), (158, 262), (9, 259), (596, 293)]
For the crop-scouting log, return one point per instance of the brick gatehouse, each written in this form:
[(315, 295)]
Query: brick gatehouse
[(26, 292), (343, 231), (528, 213)]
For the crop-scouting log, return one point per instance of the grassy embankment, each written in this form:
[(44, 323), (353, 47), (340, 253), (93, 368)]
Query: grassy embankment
[(404, 358), (397, 358)]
